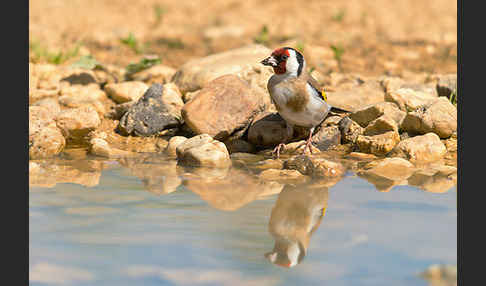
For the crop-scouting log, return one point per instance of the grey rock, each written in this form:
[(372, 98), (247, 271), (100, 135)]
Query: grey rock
[(149, 115)]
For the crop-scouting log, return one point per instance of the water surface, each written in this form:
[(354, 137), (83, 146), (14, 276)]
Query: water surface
[(150, 222)]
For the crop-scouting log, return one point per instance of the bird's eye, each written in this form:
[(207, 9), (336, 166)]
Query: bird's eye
[(284, 57)]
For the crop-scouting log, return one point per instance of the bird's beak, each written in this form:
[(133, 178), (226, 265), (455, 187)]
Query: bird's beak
[(270, 61)]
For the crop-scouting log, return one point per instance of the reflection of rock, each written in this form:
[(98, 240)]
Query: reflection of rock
[(395, 169), (48, 173), (158, 177), (296, 215), (441, 275), (382, 184), (435, 179), (230, 192)]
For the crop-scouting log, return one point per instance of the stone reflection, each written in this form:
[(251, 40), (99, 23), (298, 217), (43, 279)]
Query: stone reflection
[(227, 189), (48, 173), (390, 172), (158, 175), (296, 215)]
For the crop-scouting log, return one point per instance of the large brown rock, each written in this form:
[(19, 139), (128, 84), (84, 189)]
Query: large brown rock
[(424, 149), (45, 138), (369, 113), (226, 104), (439, 117)]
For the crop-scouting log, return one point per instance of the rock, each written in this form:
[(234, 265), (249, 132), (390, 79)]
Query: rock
[(45, 138), (285, 176), (327, 137), (391, 83), (195, 141), (294, 148), (158, 109), (446, 85), (226, 104), (350, 130), (360, 156), (357, 97), (77, 76), (243, 62), (369, 113), (381, 125), (439, 117), (435, 180), (267, 130), (76, 123), (78, 96), (173, 143), (301, 163), (332, 120), (395, 169), (100, 147), (51, 104), (239, 145), (324, 168), (378, 144), (202, 150), (155, 74), (425, 148), (408, 99), (268, 164), (315, 167), (190, 95), (119, 110), (126, 91)]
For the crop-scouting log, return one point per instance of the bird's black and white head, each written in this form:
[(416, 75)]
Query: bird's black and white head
[(286, 61)]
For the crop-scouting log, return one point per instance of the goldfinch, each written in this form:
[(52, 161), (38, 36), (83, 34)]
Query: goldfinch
[(295, 93)]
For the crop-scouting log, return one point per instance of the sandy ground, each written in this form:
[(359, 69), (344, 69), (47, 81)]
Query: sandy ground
[(375, 36)]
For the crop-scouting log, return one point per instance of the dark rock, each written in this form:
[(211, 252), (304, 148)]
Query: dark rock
[(327, 137), (446, 85), (301, 163), (149, 115), (349, 130)]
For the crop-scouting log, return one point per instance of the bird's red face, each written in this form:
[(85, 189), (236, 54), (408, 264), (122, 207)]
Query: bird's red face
[(278, 60)]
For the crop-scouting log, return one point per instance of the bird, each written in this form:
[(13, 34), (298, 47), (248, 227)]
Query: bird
[(295, 217), (295, 94)]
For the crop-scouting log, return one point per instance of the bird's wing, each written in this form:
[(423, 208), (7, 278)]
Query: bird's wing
[(316, 86)]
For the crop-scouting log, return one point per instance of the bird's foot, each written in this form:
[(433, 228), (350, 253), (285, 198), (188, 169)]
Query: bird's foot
[(308, 145), (276, 150)]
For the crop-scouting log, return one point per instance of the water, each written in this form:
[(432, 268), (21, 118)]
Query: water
[(152, 223)]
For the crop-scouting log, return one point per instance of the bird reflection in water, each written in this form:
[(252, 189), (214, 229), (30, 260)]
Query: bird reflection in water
[(296, 215)]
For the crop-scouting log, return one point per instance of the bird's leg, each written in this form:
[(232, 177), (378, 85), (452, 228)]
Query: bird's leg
[(308, 144), (290, 133)]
